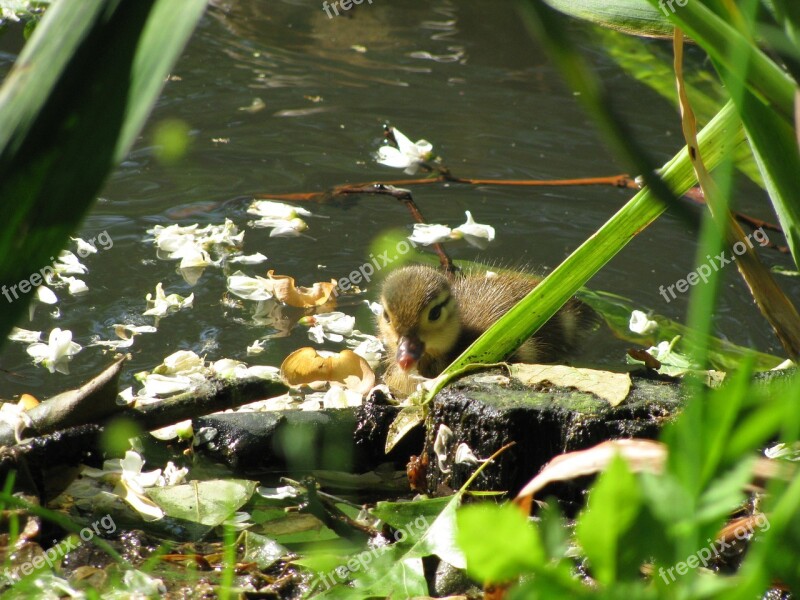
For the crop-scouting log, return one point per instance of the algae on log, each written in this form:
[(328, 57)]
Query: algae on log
[(543, 422)]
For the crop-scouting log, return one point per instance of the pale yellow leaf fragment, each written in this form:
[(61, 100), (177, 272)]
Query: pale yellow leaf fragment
[(611, 387), (306, 365), (287, 292)]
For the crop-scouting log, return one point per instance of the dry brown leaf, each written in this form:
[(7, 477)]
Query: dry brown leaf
[(612, 387), (306, 365), (641, 455), (287, 292)]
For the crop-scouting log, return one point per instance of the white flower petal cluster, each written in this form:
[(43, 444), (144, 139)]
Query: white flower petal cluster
[(332, 326), (250, 288), (57, 352), (641, 324), (69, 264), (161, 305), (193, 245), (476, 234), (132, 481), (408, 155), (284, 219)]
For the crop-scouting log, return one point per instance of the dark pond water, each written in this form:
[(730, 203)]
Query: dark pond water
[(464, 75)]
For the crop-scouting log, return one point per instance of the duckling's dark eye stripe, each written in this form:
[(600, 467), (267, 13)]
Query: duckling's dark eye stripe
[(442, 304), (432, 297)]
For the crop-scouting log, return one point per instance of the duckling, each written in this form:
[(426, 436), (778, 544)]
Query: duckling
[(428, 320)]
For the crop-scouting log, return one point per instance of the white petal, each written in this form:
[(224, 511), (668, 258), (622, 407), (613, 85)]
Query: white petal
[(278, 210), (68, 264), (405, 145), (24, 335), (162, 385), (250, 288), (278, 493), (441, 445), (194, 257), (140, 503), (263, 372), (430, 234), (76, 286), (476, 234), (316, 334), (46, 295), (182, 362), (249, 259), (228, 368), (464, 455), (640, 324), (257, 347), (392, 157), (83, 247), (291, 228), (132, 463), (423, 148)]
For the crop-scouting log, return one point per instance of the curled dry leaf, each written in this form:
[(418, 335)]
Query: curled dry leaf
[(287, 292), (306, 365), (641, 455)]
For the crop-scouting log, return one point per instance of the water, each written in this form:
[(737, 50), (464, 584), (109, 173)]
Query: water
[(465, 76)]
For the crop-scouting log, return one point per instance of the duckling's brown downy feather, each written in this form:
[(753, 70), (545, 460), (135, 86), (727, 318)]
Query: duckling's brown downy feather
[(426, 311)]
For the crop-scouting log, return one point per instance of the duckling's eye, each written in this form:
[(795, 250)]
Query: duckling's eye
[(385, 316), (436, 312)]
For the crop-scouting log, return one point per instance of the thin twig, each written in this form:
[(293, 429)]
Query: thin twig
[(405, 197)]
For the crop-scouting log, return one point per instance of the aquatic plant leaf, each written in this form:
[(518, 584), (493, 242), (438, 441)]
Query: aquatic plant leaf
[(205, 502), (630, 16)]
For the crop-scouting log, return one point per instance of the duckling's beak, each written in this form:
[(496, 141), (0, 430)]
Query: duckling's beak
[(409, 351)]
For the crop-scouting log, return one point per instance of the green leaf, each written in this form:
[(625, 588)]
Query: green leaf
[(629, 16), (499, 542), (413, 517), (723, 354), (261, 550), (613, 504), (204, 502)]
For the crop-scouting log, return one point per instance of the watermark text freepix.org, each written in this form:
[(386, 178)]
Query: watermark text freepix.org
[(345, 5), (55, 553), (704, 271), (668, 6), (368, 269), (715, 548), (363, 560), (42, 275)]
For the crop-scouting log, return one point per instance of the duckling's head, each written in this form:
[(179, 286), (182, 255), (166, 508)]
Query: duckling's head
[(420, 315)]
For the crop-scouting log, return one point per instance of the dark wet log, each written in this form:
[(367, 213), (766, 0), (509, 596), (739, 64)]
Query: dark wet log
[(542, 422), (92, 402), (213, 396), (44, 465), (296, 441)]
